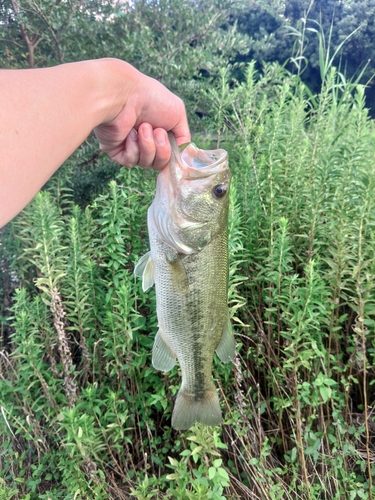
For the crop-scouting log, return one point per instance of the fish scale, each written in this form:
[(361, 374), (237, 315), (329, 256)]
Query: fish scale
[(188, 263)]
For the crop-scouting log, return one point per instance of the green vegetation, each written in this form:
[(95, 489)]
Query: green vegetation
[(83, 415), (279, 28)]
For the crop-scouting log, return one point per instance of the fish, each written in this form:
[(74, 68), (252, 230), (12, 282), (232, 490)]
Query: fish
[(188, 264)]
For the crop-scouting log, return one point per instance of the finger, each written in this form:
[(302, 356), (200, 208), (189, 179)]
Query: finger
[(182, 138), (181, 131), (129, 152), (163, 149), (147, 146)]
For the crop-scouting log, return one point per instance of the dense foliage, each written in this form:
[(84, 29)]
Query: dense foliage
[(292, 27), (83, 415), (164, 39)]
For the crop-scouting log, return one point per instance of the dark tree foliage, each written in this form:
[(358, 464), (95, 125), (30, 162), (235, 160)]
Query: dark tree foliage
[(293, 27)]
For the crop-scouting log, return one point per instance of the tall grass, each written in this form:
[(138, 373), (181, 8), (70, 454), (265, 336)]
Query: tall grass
[(84, 415), (309, 199)]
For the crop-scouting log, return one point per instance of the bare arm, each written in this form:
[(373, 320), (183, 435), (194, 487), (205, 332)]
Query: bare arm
[(45, 114)]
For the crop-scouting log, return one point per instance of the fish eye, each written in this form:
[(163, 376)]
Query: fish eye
[(219, 191)]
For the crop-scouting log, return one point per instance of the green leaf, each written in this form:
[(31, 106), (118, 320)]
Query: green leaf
[(212, 472), (325, 393)]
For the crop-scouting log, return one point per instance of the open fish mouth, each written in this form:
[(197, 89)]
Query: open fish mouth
[(175, 213), (194, 163), (204, 163)]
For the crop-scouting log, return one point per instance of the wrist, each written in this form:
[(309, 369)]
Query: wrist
[(114, 84)]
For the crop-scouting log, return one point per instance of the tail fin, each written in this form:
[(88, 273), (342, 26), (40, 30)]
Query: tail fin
[(188, 410)]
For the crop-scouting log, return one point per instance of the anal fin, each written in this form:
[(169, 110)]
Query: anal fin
[(226, 349)]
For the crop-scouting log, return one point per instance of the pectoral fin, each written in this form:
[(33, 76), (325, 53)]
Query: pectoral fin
[(163, 358), (177, 271), (180, 280), (145, 269), (227, 347)]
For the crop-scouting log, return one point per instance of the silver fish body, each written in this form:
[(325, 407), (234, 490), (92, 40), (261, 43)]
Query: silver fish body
[(188, 262)]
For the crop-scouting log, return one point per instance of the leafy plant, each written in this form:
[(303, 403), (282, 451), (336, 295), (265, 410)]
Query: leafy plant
[(82, 412)]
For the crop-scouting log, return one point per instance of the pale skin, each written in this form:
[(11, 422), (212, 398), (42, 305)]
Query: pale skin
[(45, 114)]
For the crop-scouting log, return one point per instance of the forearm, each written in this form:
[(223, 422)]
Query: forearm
[(47, 114)]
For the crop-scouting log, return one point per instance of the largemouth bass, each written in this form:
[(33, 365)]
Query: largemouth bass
[(188, 263)]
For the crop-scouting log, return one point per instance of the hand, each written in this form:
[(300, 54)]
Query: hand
[(129, 111), (138, 134)]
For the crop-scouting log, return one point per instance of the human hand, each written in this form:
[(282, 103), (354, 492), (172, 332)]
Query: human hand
[(137, 135), (129, 111)]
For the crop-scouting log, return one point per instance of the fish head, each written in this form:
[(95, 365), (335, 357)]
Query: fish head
[(191, 204)]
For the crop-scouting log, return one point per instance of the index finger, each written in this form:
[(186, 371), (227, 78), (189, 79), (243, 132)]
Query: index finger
[(181, 130)]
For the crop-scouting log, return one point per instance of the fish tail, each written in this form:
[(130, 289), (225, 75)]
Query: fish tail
[(190, 409)]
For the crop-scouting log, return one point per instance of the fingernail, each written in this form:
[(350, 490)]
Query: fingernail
[(133, 134), (147, 133), (160, 138)]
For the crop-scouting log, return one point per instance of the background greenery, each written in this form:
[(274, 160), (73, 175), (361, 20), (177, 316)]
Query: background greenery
[(83, 413)]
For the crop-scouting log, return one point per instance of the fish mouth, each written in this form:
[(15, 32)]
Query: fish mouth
[(203, 164), (194, 163), (171, 221), (190, 163)]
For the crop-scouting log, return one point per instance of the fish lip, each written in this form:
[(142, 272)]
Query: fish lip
[(212, 161)]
